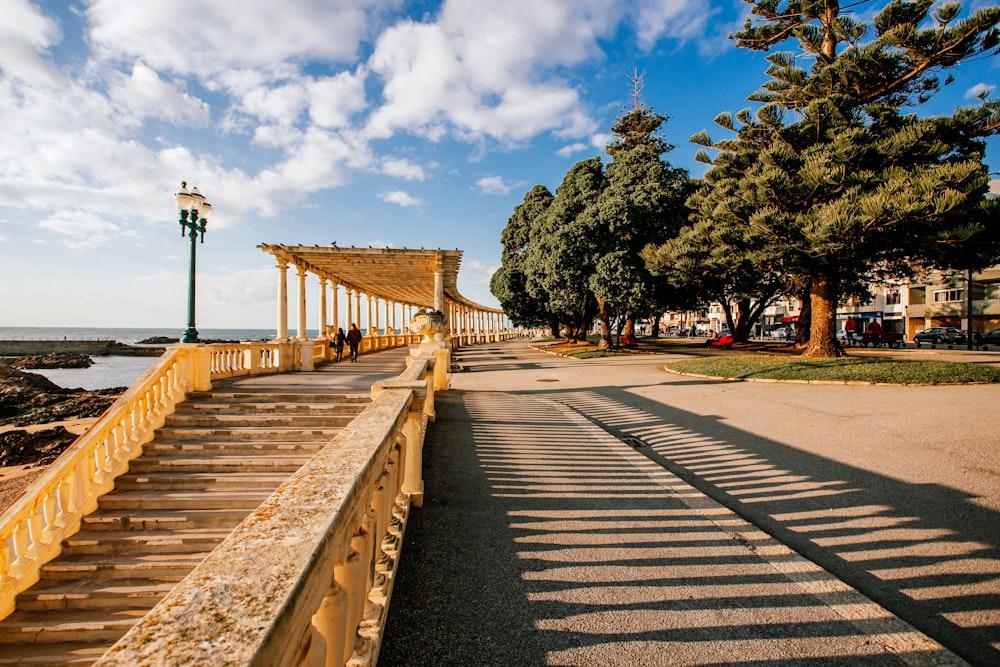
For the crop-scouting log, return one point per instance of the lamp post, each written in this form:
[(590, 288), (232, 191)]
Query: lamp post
[(194, 212)]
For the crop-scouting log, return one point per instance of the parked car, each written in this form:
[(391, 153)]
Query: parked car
[(992, 338), (783, 333), (939, 336)]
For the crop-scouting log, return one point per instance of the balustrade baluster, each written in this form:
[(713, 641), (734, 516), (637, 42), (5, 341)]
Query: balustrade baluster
[(65, 501), (34, 525), (330, 622), (48, 510), (19, 546)]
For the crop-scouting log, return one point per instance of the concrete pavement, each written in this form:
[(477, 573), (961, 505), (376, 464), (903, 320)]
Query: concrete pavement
[(604, 512)]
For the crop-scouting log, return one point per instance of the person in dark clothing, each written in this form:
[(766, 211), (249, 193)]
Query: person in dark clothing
[(339, 340), (354, 340)]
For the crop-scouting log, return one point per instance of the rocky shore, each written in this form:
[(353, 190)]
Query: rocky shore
[(35, 413)]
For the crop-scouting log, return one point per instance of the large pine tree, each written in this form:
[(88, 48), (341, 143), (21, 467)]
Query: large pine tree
[(830, 175), (643, 204), (509, 283)]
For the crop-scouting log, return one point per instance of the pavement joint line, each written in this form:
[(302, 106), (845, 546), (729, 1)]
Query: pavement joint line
[(894, 634)]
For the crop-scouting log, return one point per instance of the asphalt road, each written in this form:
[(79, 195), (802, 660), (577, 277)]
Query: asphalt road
[(893, 490)]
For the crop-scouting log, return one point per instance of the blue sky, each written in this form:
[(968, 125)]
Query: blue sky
[(365, 122)]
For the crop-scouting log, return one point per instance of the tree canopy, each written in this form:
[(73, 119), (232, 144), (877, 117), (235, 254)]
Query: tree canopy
[(830, 180)]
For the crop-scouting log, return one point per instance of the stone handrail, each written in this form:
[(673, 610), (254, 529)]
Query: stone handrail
[(50, 510), (306, 578), (32, 529)]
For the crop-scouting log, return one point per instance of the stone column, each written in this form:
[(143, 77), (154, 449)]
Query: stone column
[(336, 306), (302, 303), (357, 307), (348, 293), (322, 309), (439, 290), (368, 298), (282, 332)]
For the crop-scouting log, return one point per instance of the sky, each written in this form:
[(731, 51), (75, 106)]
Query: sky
[(378, 123)]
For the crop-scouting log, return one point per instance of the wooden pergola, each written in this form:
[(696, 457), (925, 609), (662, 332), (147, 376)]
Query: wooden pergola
[(401, 275)]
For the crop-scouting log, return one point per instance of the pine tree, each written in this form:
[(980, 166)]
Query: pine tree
[(509, 282), (643, 204), (829, 175)]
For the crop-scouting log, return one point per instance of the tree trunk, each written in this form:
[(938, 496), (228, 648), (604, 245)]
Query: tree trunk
[(554, 326), (803, 328), (604, 315), (654, 328), (629, 323), (823, 294)]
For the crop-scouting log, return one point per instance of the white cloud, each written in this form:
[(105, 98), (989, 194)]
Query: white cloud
[(493, 185), (979, 90), (24, 34), (79, 229), (281, 104), (488, 69), (475, 271), (332, 100), (207, 38), (144, 94), (577, 147), (601, 140), (402, 168), (400, 198), (678, 19)]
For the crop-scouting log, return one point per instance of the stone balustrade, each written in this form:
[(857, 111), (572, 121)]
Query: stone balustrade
[(306, 579), (33, 528)]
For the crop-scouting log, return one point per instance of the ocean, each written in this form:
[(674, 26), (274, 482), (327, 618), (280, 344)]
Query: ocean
[(113, 371)]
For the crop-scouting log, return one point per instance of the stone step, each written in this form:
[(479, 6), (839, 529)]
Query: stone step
[(109, 542), (188, 448), (94, 594), (220, 464), (265, 395), (53, 654), (266, 405), (171, 567), (256, 420), (71, 625), (201, 480), (251, 434), (164, 519), (182, 499)]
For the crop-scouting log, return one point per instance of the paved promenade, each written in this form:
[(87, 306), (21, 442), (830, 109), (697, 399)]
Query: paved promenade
[(605, 512)]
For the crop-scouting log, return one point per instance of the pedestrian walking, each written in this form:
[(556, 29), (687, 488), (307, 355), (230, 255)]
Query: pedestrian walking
[(354, 337), (339, 339)]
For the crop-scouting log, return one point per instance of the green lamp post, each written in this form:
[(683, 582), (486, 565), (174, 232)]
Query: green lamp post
[(194, 212)]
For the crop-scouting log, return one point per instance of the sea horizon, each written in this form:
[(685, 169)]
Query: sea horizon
[(132, 335), (111, 371)]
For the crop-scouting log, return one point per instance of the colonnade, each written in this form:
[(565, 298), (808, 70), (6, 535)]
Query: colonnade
[(382, 320)]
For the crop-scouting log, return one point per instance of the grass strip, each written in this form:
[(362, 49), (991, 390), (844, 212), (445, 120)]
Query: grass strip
[(851, 369)]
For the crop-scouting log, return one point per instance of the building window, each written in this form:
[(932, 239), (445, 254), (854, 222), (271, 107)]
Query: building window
[(941, 296), (892, 298)]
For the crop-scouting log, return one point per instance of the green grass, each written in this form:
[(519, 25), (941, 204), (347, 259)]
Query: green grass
[(593, 354), (851, 369)]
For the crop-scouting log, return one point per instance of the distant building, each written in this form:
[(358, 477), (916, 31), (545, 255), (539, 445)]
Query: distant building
[(904, 308)]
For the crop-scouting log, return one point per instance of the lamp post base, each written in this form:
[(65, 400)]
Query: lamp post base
[(190, 336)]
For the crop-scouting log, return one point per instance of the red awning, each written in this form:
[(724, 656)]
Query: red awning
[(793, 318)]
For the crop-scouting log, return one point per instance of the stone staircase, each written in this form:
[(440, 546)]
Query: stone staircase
[(213, 462)]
